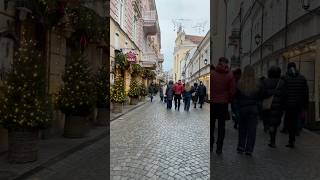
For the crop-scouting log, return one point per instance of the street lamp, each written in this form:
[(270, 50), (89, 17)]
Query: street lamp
[(257, 39), (305, 4), (205, 61)]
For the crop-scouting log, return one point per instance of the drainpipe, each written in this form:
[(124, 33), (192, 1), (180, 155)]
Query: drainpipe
[(225, 27)]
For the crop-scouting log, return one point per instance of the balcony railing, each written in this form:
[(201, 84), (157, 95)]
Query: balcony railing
[(150, 23), (149, 59)]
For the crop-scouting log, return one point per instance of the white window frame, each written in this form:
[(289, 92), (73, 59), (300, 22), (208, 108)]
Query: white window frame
[(121, 12)]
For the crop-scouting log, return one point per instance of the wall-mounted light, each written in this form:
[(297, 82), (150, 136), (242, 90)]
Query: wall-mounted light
[(206, 61), (257, 39), (305, 4)]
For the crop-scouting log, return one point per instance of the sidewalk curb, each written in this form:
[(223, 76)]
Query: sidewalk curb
[(60, 157), (131, 109)]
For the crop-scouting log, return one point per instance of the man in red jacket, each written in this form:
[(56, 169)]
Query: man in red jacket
[(177, 89), (222, 91)]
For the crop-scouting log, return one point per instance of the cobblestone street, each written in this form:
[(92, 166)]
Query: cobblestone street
[(154, 143), (266, 163)]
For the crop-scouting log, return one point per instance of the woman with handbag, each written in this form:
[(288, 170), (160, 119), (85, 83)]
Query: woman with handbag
[(273, 103), (248, 96)]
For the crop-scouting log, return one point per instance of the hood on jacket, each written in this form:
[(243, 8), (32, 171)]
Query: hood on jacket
[(222, 68)]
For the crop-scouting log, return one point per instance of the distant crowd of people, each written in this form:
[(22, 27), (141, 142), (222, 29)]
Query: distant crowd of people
[(268, 98), (179, 91)]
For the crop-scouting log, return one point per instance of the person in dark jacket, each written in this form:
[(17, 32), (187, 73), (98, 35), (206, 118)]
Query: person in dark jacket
[(234, 109), (248, 95), (187, 95), (161, 92), (274, 86), (222, 88), (195, 95), (169, 94), (151, 91), (202, 92), (297, 99), (263, 114)]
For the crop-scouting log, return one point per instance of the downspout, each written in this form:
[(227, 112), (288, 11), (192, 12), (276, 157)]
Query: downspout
[(225, 28)]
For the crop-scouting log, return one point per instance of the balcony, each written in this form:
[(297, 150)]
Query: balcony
[(150, 23), (161, 58), (149, 60), (137, 6)]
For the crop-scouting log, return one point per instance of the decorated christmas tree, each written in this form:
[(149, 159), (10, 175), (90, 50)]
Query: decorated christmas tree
[(77, 96), (102, 87), (24, 105), (117, 92), (134, 90)]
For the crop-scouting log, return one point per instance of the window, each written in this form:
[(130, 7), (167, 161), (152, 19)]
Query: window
[(121, 12)]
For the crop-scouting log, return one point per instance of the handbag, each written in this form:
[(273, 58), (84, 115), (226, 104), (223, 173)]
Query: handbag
[(267, 103)]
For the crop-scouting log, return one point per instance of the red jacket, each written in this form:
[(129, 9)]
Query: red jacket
[(222, 85), (178, 88)]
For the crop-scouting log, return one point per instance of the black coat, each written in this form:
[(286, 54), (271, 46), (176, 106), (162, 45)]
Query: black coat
[(296, 91), (202, 90), (252, 101), (169, 92), (273, 116)]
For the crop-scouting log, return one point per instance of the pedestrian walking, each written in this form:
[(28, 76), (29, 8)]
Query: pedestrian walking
[(202, 92), (178, 89), (187, 95), (151, 91), (222, 91), (234, 109), (275, 91), (195, 94), (248, 95), (297, 99), (161, 92), (169, 94)]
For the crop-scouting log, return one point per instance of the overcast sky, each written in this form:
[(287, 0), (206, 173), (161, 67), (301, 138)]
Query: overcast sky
[(194, 11)]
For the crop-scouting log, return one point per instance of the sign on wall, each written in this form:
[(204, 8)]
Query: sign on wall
[(131, 56)]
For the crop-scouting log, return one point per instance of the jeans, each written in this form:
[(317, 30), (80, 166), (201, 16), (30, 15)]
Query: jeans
[(218, 112), (177, 98), (247, 129), (169, 103), (187, 103)]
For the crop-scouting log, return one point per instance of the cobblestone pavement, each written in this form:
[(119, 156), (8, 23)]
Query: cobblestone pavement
[(90, 163), (154, 143), (281, 163)]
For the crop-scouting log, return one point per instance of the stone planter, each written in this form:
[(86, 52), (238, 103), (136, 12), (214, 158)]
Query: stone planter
[(23, 146), (103, 117), (142, 98), (134, 100), (117, 108), (76, 126)]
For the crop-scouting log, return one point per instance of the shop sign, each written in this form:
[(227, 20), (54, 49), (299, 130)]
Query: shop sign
[(131, 56)]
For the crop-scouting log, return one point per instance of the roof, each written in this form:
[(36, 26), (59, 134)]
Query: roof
[(194, 39)]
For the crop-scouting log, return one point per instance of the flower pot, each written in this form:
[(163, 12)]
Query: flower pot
[(117, 108), (103, 117), (23, 146), (134, 100), (76, 126)]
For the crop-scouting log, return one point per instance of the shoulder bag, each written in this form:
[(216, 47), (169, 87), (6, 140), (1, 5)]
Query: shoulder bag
[(267, 103)]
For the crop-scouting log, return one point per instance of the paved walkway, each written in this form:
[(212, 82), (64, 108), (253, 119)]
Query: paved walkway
[(301, 163), (154, 143)]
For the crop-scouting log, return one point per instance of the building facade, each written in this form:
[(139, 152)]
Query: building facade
[(197, 63), (183, 44), (273, 32), (134, 26)]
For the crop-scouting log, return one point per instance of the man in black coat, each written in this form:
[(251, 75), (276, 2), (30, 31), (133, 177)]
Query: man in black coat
[(202, 92), (296, 100)]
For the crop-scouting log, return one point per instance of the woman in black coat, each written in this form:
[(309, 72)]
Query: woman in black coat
[(274, 86)]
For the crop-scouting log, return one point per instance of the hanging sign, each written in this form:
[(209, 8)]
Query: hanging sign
[(131, 56)]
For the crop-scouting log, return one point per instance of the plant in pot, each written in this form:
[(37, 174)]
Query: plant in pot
[(102, 89), (117, 95), (143, 92), (24, 109), (76, 98), (134, 92)]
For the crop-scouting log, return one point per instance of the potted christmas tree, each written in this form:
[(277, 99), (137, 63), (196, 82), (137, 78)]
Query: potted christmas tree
[(117, 95), (102, 88), (134, 92), (24, 108), (143, 92), (76, 98)]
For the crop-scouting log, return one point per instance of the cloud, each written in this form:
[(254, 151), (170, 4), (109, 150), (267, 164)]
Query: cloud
[(196, 11)]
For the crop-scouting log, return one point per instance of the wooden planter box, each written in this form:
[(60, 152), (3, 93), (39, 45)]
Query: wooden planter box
[(23, 146), (103, 117), (117, 108), (76, 126), (134, 100)]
